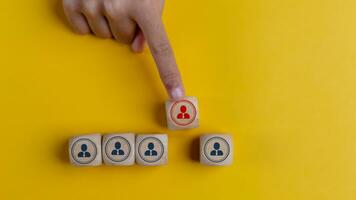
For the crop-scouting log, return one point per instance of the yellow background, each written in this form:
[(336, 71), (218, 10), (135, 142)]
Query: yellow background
[(279, 75)]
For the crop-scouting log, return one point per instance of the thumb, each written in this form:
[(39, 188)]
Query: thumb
[(138, 43)]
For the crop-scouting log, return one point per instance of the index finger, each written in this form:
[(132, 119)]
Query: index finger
[(153, 29)]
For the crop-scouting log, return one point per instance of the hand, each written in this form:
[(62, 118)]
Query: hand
[(130, 22)]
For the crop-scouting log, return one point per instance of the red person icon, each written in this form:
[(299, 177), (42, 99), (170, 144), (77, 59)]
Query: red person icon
[(183, 114)]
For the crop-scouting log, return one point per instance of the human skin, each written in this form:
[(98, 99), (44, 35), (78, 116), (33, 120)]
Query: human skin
[(130, 22)]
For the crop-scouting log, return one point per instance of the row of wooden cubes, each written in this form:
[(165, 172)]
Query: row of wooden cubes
[(124, 149)]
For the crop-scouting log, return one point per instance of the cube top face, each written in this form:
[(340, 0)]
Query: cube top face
[(216, 149), (85, 150), (119, 149), (151, 149), (182, 114)]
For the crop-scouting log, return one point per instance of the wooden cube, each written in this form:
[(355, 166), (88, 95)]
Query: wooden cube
[(119, 149), (85, 150), (151, 149), (216, 149), (182, 114)]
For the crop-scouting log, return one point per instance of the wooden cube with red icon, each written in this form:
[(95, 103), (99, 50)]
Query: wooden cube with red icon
[(182, 114)]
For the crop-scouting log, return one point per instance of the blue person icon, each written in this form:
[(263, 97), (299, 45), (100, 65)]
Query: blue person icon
[(117, 150), (216, 151), (84, 153), (150, 151)]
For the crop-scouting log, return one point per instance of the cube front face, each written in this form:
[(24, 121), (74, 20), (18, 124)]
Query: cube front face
[(119, 149), (152, 149), (182, 114), (85, 150), (216, 149)]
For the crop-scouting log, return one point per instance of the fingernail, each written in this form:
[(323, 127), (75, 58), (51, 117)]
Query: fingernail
[(177, 93)]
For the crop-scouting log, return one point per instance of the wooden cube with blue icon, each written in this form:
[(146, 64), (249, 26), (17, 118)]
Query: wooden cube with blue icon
[(119, 149), (151, 149), (85, 150), (216, 149)]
